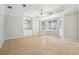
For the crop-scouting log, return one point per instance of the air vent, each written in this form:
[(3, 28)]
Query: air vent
[(24, 5), (9, 7)]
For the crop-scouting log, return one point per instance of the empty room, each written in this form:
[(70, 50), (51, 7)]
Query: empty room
[(39, 29)]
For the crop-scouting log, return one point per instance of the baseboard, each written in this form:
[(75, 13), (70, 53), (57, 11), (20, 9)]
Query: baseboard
[(19, 36), (13, 37), (1, 42)]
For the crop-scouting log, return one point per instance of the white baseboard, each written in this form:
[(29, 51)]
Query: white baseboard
[(6, 38), (13, 37), (1, 42), (19, 36)]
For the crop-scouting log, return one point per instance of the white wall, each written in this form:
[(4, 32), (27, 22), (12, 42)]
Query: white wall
[(78, 22), (13, 26), (70, 21), (35, 27), (1, 24), (70, 25)]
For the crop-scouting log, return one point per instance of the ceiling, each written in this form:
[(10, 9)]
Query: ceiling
[(20, 10), (72, 8), (34, 9)]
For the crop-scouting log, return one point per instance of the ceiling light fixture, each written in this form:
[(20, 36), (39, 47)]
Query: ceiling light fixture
[(9, 7), (24, 5)]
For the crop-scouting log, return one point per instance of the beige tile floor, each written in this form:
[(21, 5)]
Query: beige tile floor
[(39, 45)]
